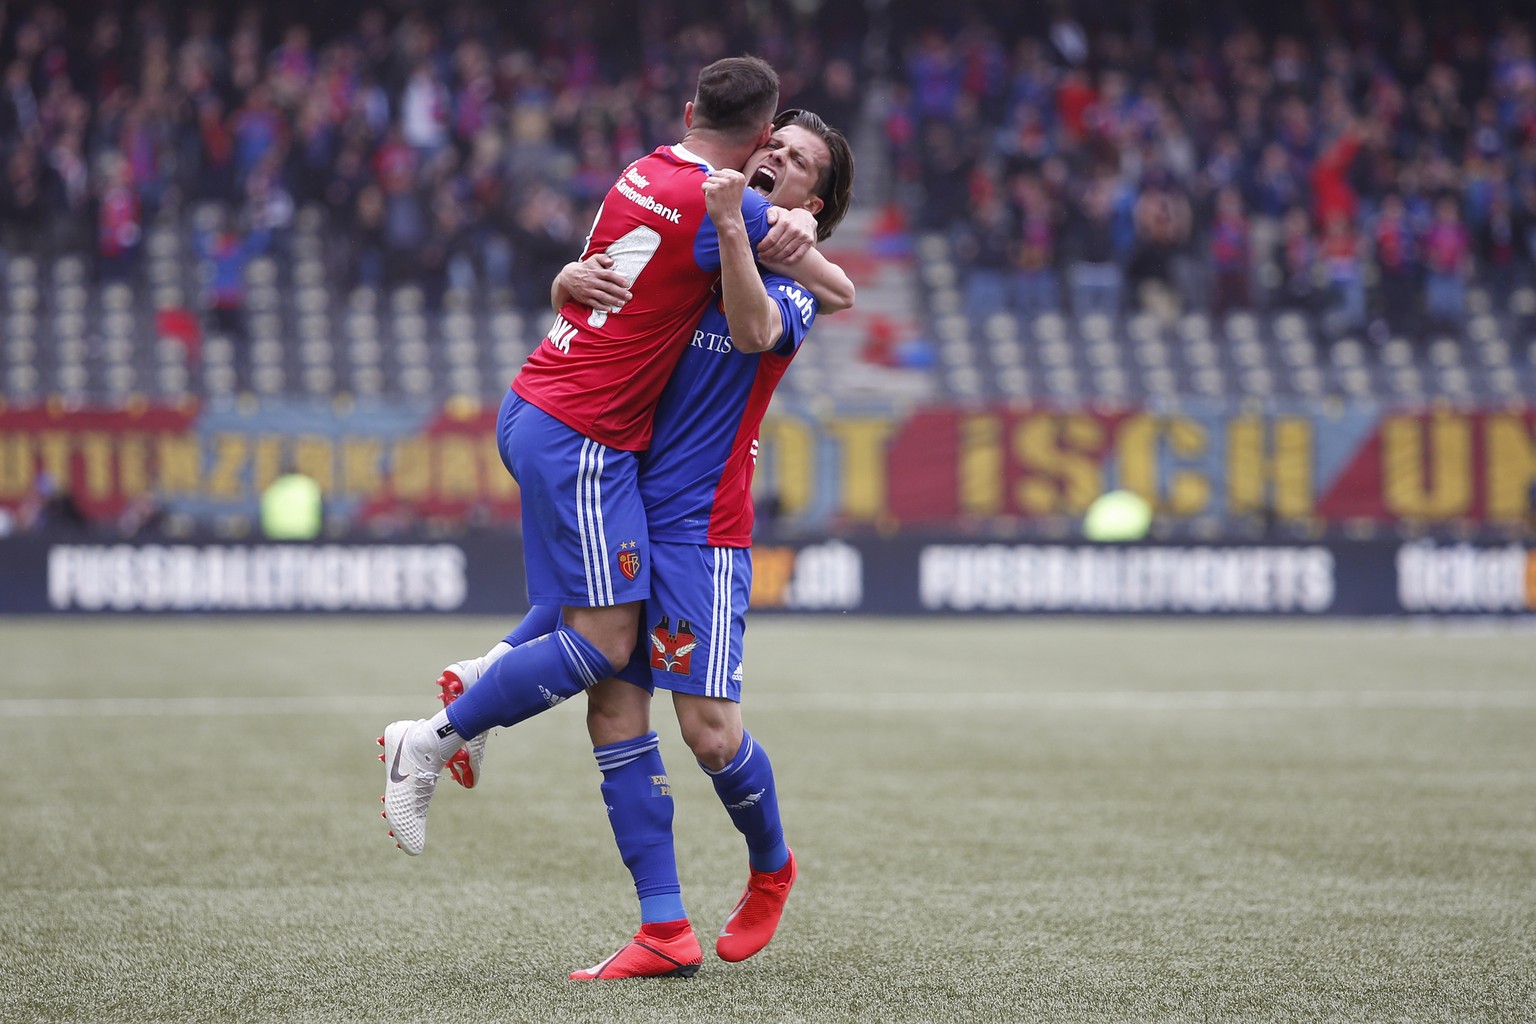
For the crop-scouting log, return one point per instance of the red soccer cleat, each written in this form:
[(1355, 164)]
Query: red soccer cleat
[(650, 956), (756, 917)]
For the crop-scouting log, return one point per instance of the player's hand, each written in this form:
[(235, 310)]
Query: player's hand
[(592, 283), (723, 190), (790, 234)]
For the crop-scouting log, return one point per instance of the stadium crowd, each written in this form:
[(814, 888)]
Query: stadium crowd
[(1359, 161), (1355, 161), (448, 143)]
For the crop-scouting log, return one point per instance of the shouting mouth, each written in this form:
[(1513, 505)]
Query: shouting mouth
[(763, 179)]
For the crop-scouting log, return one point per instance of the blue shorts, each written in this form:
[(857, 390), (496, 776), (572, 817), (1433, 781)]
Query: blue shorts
[(695, 621), (585, 539)]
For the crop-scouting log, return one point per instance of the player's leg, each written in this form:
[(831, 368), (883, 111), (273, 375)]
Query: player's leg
[(742, 775), (696, 619), (586, 550), (464, 764), (638, 797)]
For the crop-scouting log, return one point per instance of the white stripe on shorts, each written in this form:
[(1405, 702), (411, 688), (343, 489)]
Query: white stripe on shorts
[(718, 670), (589, 524)]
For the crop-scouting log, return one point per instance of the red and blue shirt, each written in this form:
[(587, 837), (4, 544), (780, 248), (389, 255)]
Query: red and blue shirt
[(696, 479), (601, 373)]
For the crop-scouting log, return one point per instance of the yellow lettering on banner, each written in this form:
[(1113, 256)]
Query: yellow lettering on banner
[(267, 461), (360, 466), (1280, 481), (411, 469), (1136, 451), (1511, 467), (229, 455), (18, 466), (772, 569), (1138, 442), (96, 463), (1188, 492), (132, 466), (1444, 490), (456, 467), (180, 462), (980, 468), (1061, 476), (54, 447), (315, 456), (791, 444), (862, 444)]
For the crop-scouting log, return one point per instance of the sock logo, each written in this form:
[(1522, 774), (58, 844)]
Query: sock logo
[(751, 799), (629, 560), (550, 698), (661, 785), (672, 652)]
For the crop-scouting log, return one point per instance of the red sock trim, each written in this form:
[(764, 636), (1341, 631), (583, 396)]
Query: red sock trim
[(664, 930)]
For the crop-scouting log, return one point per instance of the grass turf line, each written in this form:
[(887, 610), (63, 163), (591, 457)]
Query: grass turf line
[(972, 862)]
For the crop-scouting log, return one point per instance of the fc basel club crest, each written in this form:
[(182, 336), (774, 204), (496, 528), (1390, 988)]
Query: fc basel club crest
[(629, 560), (672, 652)]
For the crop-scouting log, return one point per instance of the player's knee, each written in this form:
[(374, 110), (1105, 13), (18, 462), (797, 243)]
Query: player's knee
[(714, 748), (611, 630)]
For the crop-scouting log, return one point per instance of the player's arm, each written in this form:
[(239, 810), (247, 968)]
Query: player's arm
[(755, 321), (591, 283), (821, 277), (790, 234)]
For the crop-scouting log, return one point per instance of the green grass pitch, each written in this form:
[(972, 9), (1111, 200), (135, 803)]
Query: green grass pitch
[(997, 820)]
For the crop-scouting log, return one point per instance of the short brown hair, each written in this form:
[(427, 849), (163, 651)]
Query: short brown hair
[(736, 95), (836, 185)]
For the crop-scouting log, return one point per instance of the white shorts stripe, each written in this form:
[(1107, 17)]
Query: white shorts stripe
[(717, 670), (589, 524), (588, 673)]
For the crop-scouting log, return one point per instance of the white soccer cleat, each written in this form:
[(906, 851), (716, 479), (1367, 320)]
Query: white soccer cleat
[(464, 765), (411, 766)]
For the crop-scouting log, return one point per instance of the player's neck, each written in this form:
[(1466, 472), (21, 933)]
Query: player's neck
[(718, 150)]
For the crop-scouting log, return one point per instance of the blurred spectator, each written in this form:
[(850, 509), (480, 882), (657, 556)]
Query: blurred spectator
[(226, 252), (1095, 275), (983, 244), (1446, 248), (1501, 244), (1346, 308), (1230, 254), (1296, 256), (1036, 289), (1162, 224), (119, 229), (1397, 260)]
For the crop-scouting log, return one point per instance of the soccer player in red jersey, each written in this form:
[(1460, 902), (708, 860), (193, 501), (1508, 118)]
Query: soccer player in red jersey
[(578, 413), (696, 482)]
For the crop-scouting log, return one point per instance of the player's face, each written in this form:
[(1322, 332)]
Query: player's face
[(788, 168)]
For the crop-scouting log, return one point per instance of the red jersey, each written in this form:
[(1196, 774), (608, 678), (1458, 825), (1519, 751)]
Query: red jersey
[(602, 373)]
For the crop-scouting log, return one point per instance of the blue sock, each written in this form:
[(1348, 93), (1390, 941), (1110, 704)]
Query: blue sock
[(639, 799), (527, 680), (541, 619), (745, 787)]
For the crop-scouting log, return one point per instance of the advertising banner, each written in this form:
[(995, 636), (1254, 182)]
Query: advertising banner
[(482, 573)]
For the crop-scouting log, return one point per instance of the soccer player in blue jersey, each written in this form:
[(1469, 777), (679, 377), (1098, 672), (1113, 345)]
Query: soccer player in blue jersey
[(579, 413), (696, 483)]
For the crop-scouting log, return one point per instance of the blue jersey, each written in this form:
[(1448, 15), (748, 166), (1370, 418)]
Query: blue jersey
[(696, 478)]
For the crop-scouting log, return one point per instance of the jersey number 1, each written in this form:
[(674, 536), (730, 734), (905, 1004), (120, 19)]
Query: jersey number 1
[(630, 253)]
